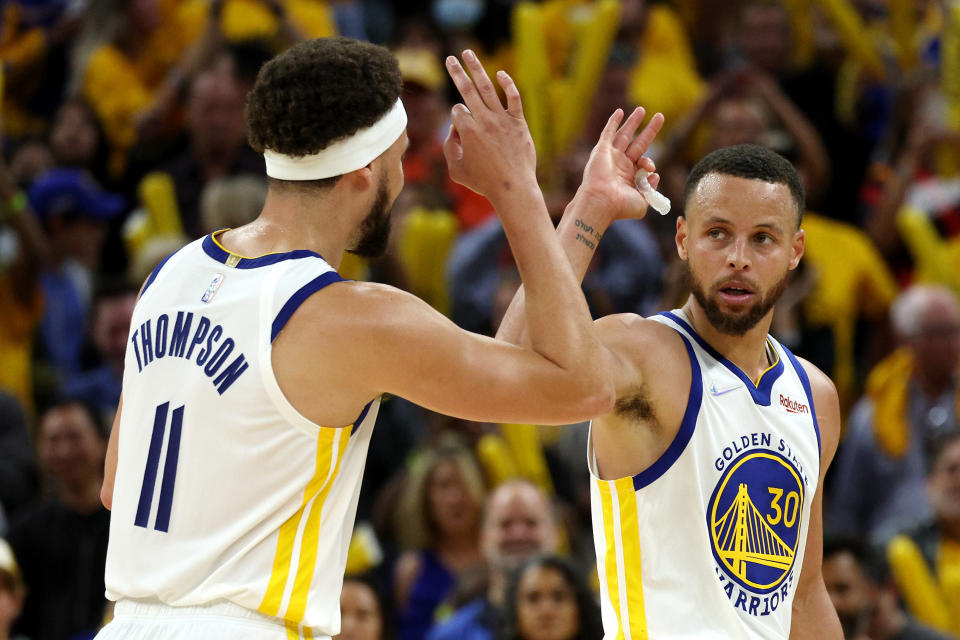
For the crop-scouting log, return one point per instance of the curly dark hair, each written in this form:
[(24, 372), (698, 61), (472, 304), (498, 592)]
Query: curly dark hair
[(591, 626), (749, 161), (319, 91)]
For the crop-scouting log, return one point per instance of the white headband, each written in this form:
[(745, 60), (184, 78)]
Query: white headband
[(342, 156)]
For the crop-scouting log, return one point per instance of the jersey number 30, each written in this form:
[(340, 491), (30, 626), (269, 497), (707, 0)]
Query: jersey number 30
[(162, 521)]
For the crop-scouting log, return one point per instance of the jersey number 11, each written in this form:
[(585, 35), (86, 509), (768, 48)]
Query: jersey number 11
[(162, 521)]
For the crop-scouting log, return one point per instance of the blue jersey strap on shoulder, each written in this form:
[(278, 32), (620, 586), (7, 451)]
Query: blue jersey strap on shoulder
[(687, 425), (154, 273), (759, 392), (299, 297), (805, 382)]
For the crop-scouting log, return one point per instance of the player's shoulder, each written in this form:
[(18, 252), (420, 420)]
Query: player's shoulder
[(349, 309), (629, 334), (363, 300), (820, 382), (638, 348)]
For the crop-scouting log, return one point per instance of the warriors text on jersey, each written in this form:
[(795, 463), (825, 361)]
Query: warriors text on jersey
[(708, 542), (223, 491)]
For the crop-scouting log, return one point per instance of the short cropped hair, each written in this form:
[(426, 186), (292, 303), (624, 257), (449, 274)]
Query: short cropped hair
[(753, 162), (318, 92)]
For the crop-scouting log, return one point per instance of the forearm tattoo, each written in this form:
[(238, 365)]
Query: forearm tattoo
[(587, 235)]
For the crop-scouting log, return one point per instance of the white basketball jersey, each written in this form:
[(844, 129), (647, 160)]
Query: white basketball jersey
[(708, 541), (223, 490)]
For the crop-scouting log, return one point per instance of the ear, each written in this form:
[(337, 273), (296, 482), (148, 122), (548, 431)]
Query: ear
[(359, 179), (798, 246), (681, 237)]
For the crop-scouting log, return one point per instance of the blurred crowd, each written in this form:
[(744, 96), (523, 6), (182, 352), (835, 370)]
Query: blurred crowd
[(124, 139)]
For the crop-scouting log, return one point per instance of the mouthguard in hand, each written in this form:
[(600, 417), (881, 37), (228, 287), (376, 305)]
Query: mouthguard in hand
[(654, 198)]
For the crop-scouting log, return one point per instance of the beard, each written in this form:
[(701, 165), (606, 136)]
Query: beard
[(728, 323), (374, 230)]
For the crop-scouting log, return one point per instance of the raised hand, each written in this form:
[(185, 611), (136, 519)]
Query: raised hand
[(608, 179), (489, 147)]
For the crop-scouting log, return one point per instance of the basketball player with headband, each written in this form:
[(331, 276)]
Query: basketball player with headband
[(707, 474), (253, 372)]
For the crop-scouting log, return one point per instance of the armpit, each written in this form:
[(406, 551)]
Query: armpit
[(634, 406)]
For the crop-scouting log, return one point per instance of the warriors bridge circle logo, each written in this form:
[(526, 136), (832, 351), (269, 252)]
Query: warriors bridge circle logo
[(754, 519)]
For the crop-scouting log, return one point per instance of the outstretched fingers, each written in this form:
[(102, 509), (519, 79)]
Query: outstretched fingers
[(488, 93), (514, 105), (629, 128), (471, 96), (610, 129), (642, 142)]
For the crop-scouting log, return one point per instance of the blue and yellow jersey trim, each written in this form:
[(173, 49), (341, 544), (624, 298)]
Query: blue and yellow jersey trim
[(295, 575), (214, 249), (760, 390), (622, 567)]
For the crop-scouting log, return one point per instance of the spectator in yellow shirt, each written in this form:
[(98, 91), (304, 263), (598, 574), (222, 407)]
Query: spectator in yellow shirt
[(132, 63)]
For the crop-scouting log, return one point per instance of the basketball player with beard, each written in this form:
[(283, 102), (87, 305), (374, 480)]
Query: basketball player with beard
[(253, 372), (707, 474)]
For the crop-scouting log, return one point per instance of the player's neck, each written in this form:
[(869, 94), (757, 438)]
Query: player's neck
[(290, 222), (748, 351)]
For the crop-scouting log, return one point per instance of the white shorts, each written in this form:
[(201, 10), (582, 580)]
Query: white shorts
[(139, 620)]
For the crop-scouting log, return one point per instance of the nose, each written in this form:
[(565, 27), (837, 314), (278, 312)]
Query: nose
[(738, 256)]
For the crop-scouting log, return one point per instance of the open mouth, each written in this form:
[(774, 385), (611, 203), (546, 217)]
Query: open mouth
[(735, 293)]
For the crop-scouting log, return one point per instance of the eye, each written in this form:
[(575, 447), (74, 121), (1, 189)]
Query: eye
[(763, 238)]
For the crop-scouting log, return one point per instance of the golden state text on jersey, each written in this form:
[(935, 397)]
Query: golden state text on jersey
[(754, 519)]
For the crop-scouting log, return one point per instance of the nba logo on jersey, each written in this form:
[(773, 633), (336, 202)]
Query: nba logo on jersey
[(754, 520), (212, 288)]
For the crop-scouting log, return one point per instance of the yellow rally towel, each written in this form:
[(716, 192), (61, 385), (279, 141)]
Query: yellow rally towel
[(887, 387)]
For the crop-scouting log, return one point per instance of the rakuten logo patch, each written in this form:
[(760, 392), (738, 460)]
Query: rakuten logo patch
[(792, 406)]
